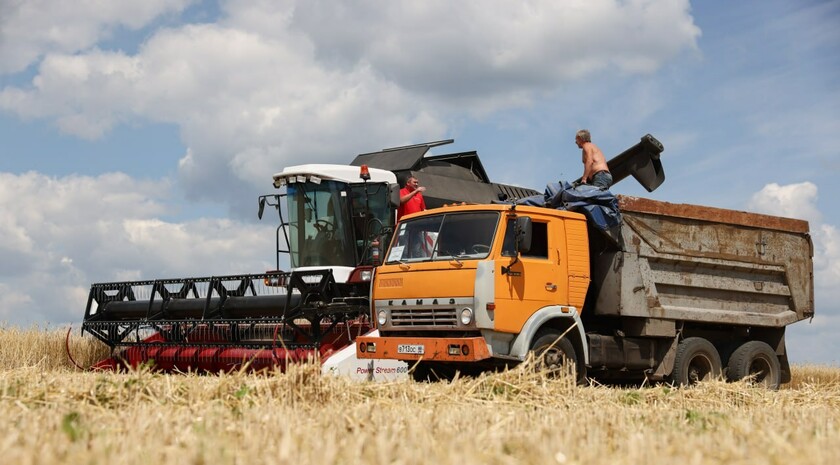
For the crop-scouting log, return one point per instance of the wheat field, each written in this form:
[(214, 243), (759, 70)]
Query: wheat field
[(51, 412)]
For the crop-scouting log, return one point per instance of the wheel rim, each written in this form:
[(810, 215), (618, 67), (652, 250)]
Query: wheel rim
[(554, 362), (552, 359), (699, 369), (759, 372)]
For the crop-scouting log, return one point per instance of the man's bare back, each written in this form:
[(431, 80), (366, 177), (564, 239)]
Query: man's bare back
[(593, 160), (592, 157)]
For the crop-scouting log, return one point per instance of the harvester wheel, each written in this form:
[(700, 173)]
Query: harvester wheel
[(757, 361), (554, 355), (696, 360)]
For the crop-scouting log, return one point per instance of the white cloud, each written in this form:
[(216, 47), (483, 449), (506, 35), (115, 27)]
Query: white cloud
[(799, 201), (498, 49), (69, 232), (30, 29), (240, 110), (827, 259), (791, 201), (273, 84)]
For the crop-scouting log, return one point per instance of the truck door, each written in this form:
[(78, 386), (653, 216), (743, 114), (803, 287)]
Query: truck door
[(534, 281)]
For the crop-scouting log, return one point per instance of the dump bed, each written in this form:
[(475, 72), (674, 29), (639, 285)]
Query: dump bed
[(706, 265)]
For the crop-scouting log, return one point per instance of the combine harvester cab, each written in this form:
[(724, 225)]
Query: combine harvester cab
[(334, 222)]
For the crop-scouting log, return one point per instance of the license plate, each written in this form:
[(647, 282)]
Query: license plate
[(413, 349)]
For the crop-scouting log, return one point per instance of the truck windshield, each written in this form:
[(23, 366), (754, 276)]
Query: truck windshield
[(444, 237), (320, 232)]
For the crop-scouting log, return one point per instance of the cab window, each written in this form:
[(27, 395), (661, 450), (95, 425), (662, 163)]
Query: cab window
[(539, 240)]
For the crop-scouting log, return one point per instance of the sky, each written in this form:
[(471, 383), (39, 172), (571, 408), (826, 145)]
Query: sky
[(136, 135)]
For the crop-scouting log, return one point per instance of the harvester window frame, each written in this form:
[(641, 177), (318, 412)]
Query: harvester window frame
[(307, 240), (381, 222)]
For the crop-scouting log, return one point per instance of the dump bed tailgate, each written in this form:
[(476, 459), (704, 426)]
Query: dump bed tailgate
[(694, 263)]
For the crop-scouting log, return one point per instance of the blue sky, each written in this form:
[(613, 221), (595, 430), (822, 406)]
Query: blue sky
[(136, 135)]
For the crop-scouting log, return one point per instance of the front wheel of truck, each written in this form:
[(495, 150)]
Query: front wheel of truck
[(556, 355)]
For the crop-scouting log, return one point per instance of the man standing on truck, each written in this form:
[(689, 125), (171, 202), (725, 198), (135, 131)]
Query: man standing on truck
[(411, 198), (595, 170)]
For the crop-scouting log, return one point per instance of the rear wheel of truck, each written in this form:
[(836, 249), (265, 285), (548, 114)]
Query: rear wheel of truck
[(696, 360), (554, 355), (758, 362)]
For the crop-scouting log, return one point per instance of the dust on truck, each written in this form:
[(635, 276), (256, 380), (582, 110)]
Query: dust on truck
[(686, 293)]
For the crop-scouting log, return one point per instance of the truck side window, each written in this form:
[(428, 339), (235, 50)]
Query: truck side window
[(539, 240)]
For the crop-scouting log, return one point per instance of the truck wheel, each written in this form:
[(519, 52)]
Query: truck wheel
[(553, 354), (758, 361), (696, 360)]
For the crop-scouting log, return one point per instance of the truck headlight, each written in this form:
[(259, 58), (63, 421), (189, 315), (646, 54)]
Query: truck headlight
[(466, 316), (382, 317)]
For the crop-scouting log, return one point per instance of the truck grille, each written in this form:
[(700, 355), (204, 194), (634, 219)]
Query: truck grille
[(424, 317)]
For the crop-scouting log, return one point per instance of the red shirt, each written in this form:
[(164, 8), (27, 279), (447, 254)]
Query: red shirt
[(413, 205)]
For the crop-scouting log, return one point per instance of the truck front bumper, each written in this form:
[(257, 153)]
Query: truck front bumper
[(455, 349)]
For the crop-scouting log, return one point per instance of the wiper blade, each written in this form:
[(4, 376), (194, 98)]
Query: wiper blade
[(452, 257)]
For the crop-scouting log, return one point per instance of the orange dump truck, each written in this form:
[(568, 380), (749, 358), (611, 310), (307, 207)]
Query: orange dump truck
[(686, 293)]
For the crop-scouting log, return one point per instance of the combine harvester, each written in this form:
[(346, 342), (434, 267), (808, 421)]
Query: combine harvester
[(337, 219)]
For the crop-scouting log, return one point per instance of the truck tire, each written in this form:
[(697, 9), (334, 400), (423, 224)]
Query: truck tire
[(553, 354), (696, 360), (758, 361)]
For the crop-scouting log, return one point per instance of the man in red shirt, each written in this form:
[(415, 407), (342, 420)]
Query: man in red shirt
[(411, 198)]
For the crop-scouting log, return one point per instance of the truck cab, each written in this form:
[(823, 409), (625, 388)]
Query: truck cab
[(471, 284)]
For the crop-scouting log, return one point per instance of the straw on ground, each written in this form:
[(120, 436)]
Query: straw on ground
[(53, 413)]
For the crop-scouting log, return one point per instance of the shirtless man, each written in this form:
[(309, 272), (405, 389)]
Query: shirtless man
[(595, 170)]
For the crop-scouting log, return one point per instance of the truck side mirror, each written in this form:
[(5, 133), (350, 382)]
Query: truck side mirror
[(262, 208), (523, 232), (395, 195)]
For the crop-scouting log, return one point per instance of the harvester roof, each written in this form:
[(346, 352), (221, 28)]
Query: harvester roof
[(344, 173)]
